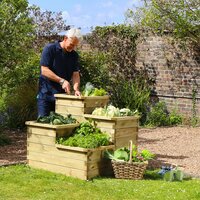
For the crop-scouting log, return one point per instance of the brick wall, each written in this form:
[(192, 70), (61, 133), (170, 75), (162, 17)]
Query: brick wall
[(176, 72)]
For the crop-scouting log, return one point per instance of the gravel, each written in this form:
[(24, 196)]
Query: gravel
[(176, 146)]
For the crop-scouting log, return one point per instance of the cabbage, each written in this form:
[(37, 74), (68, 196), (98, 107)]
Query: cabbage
[(112, 111), (99, 112), (88, 89)]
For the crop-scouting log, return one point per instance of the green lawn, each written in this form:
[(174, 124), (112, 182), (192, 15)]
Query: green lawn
[(21, 182)]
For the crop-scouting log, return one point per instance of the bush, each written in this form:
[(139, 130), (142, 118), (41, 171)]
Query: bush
[(21, 105), (159, 116), (94, 69)]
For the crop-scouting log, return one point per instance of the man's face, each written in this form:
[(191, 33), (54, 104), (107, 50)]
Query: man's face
[(70, 43)]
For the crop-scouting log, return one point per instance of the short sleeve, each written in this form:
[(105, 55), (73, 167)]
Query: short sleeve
[(47, 57), (77, 64)]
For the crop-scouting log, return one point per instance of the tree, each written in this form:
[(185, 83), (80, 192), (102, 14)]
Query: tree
[(179, 17), (15, 37), (48, 25)]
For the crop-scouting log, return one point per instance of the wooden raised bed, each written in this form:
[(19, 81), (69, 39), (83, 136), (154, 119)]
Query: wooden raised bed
[(78, 106), (44, 153), (120, 129)]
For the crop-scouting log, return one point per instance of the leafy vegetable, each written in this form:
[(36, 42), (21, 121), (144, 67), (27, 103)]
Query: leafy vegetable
[(123, 154), (112, 111), (90, 90), (56, 119), (86, 136)]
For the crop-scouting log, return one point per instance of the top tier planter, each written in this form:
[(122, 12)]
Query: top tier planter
[(79, 105)]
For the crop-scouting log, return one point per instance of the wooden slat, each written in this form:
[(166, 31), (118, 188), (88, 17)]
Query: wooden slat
[(49, 149), (59, 169), (126, 123), (41, 139), (69, 110), (95, 150), (58, 160), (71, 103), (124, 141), (110, 118), (41, 131), (125, 132), (65, 96), (43, 125), (95, 102)]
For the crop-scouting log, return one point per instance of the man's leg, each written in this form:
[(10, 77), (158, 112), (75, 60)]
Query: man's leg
[(45, 107)]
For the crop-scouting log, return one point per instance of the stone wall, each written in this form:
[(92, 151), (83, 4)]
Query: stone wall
[(175, 72)]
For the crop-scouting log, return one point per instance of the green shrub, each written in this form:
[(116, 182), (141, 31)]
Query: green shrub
[(175, 118), (94, 69), (134, 94), (158, 115), (21, 105)]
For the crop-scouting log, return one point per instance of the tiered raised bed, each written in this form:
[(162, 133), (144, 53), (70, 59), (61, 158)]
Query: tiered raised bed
[(120, 129), (44, 153), (78, 106)]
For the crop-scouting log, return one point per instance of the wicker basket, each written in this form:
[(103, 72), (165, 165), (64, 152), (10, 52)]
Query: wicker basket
[(129, 170)]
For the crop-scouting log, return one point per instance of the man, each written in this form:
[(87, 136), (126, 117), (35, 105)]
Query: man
[(59, 65)]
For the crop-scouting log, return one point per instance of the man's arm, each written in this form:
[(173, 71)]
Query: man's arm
[(45, 71), (76, 83)]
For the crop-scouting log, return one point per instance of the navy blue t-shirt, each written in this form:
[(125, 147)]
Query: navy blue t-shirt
[(62, 63)]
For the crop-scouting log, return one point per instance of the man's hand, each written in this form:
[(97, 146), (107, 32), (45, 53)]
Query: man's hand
[(77, 93), (66, 86)]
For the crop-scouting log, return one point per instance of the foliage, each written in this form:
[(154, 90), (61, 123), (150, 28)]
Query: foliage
[(133, 94), (21, 105), (158, 115), (47, 25), (90, 90), (118, 42), (86, 136), (179, 17), (56, 119), (94, 68), (112, 111), (15, 36), (123, 154)]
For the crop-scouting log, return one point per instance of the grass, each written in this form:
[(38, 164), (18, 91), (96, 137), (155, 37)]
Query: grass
[(21, 182)]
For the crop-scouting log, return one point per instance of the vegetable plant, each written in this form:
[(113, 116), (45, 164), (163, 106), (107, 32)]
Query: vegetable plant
[(86, 136), (123, 154)]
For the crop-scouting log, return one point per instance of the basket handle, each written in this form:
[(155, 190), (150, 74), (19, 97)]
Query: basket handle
[(131, 150)]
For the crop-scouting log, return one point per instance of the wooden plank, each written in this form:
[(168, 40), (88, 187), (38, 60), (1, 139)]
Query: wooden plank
[(58, 160), (105, 124), (49, 149), (41, 131), (43, 125), (110, 118), (124, 132), (126, 123), (95, 102), (69, 110), (124, 141), (41, 139), (84, 149), (81, 174), (70, 102), (65, 96)]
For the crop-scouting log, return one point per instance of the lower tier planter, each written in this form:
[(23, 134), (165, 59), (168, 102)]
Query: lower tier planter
[(44, 153), (120, 129), (77, 106)]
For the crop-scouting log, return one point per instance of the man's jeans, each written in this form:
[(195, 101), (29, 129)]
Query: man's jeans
[(45, 107)]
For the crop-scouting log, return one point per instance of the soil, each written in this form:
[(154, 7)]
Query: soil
[(176, 146)]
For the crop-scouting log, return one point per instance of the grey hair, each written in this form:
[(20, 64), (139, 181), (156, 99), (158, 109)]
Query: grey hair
[(74, 32)]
